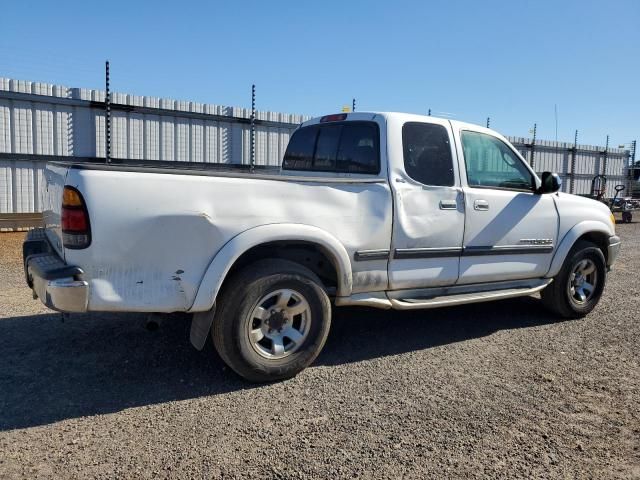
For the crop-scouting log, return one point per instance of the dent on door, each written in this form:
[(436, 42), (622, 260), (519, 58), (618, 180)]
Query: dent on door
[(427, 238)]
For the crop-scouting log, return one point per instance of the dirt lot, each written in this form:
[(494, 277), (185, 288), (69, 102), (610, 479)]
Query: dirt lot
[(498, 390)]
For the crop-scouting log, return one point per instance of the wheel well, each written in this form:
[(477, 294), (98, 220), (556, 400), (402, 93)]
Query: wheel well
[(601, 240), (310, 255)]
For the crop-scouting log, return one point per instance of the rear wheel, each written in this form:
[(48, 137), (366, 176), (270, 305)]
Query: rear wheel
[(577, 289), (272, 320)]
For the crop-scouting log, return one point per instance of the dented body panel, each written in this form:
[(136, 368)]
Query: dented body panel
[(156, 235)]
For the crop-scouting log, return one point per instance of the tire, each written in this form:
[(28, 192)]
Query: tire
[(561, 299), (252, 302)]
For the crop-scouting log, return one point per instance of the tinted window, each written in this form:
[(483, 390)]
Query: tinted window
[(427, 154), (327, 148), (299, 154), (350, 147), (491, 163), (358, 151)]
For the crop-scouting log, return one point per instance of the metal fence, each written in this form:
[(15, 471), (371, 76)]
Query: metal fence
[(40, 122)]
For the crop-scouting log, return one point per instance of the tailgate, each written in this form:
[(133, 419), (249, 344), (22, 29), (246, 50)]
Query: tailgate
[(51, 192)]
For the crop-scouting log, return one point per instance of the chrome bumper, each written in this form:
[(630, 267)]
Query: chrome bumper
[(613, 249), (62, 294), (58, 285)]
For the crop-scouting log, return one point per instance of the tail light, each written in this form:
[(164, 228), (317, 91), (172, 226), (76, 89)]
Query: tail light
[(76, 230)]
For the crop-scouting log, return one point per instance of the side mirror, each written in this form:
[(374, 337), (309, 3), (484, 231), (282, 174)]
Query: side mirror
[(551, 183)]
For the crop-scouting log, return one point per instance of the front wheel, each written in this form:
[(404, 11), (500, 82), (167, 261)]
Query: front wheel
[(272, 320), (577, 289)]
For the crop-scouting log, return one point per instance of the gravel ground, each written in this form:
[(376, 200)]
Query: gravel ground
[(499, 390)]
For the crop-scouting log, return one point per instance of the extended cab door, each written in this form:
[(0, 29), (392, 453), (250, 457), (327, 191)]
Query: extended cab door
[(510, 231), (428, 220)]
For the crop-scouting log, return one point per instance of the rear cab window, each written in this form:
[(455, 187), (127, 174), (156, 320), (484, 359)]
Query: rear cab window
[(345, 147)]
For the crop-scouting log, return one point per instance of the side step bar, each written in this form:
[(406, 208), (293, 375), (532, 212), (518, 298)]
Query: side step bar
[(465, 298)]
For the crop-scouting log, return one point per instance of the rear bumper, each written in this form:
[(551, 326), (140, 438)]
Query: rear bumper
[(58, 285), (613, 249)]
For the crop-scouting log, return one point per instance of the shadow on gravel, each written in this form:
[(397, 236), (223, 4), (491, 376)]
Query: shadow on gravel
[(363, 333), (101, 363)]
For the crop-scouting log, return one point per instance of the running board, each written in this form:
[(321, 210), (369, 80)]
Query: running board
[(465, 298)]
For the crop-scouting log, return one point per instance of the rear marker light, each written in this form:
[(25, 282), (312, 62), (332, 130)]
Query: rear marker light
[(76, 230), (337, 117)]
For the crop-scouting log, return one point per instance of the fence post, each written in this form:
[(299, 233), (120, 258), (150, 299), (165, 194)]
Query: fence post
[(631, 168), (604, 160), (533, 147), (107, 123), (252, 147), (574, 153)]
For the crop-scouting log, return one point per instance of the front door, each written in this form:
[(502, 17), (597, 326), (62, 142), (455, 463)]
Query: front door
[(510, 231), (428, 220)]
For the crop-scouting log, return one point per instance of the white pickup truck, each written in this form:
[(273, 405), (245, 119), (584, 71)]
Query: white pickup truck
[(384, 210)]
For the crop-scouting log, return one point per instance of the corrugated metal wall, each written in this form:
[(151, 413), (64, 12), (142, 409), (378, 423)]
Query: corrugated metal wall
[(51, 120), (589, 161)]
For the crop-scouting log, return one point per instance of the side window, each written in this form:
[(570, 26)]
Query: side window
[(427, 154), (351, 147), (491, 163)]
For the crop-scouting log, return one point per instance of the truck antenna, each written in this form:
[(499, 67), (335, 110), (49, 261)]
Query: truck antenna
[(353, 105)]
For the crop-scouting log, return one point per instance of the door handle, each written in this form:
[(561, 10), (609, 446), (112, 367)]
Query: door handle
[(481, 205), (448, 205)]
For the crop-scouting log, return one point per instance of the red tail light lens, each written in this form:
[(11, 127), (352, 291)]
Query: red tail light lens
[(76, 230), (74, 220)]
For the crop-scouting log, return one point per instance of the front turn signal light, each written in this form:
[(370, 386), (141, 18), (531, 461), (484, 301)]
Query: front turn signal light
[(613, 221)]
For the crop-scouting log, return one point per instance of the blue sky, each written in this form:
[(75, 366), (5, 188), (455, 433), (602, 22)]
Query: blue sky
[(510, 60)]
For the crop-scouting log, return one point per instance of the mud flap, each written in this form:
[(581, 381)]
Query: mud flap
[(200, 326)]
